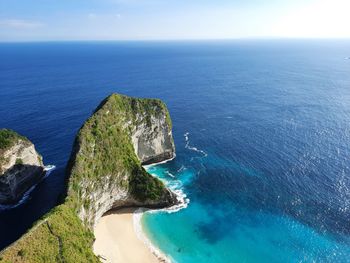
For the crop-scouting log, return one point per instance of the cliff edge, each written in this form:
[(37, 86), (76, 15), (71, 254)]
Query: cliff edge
[(105, 167), (104, 172), (21, 166)]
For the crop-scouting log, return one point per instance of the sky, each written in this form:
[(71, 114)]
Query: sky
[(52, 20)]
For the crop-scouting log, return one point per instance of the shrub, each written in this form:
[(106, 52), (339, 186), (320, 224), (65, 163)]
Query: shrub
[(21, 253), (19, 161)]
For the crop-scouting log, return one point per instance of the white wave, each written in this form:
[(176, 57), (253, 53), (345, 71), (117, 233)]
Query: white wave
[(170, 174), (137, 216), (182, 168), (186, 136), (165, 161), (175, 186), (182, 202), (48, 169), (195, 149)]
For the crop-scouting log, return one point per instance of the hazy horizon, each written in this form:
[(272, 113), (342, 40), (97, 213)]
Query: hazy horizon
[(140, 20), (176, 40)]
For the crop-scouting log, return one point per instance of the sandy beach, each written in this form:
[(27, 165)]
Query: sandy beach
[(117, 242)]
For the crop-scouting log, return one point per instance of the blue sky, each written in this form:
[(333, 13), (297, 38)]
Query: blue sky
[(36, 20)]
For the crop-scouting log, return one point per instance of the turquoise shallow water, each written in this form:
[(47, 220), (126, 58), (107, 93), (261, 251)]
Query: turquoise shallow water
[(248, 236)]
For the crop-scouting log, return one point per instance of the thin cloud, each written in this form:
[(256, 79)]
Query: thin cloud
[(104, 17), (20, 24), (92, 15)]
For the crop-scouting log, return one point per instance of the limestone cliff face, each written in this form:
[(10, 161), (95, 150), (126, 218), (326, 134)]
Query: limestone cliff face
[(152, 139), (21, 167), (122, 134)]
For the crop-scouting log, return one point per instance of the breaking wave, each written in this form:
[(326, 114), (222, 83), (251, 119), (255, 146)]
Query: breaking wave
[(137, 216), (192, 148)]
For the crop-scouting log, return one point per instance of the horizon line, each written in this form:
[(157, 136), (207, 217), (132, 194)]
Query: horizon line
[(171, 39)]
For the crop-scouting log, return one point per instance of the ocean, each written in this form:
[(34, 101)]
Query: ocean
[(261, 127)]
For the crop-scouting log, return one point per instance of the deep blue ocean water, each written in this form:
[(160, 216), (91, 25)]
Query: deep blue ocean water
[(262, 131)]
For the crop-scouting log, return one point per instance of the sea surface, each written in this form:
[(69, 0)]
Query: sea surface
[(261, 127)]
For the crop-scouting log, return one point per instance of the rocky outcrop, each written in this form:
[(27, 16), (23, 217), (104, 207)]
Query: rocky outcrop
[(122, 134), (152, 139), (21, 166), (104, 172)]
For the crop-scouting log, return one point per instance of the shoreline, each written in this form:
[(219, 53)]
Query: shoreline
[(161, 162), (141, 235), (120, 238)]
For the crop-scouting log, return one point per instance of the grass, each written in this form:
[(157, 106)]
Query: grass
[(59, 237), (9, 138), (102, 149), (19, 161), (144, 186)]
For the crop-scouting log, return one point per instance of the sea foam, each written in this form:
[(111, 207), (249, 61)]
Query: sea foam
[(182, 202), (192, 148), (137, 217)]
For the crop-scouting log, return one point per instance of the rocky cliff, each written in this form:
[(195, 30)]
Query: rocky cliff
[(104, 172), (105, 168), (21, 166), (151, 135)]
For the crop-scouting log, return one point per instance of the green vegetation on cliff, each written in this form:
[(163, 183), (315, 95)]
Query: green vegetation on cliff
[(8, 138), (143, 186), (103, 157), (58, 237), (103, 147)]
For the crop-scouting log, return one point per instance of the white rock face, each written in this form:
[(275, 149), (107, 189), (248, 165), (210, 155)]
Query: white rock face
[(153, 141), (108, 197), (104, 198), (22, 151), (20, 169)]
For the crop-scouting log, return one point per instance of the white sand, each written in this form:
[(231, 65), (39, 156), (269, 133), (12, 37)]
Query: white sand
[(117, 242)]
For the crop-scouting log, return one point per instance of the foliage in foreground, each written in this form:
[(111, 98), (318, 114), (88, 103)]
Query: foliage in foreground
[(58, 237)]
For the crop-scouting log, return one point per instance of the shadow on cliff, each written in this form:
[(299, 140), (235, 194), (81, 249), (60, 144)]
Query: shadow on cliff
[(17, 180)]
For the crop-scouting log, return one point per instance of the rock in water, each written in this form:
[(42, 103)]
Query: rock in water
[(104, 172), (21, 166)]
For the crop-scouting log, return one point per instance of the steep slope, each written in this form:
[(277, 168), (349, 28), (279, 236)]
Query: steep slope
[(105, 165), (104, 172), (21, 166)]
